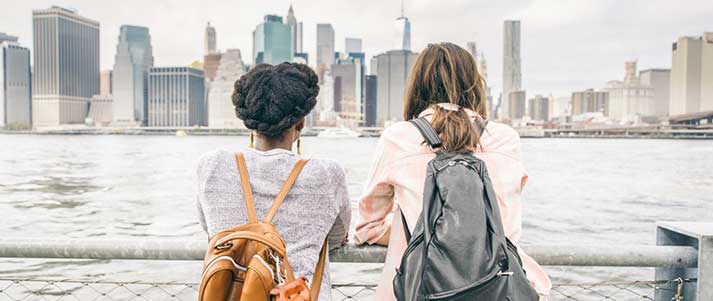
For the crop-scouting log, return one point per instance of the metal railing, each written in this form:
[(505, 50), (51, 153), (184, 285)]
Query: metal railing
[(683, 261)]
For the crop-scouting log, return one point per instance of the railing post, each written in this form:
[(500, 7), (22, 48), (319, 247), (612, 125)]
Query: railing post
[(699, 236)]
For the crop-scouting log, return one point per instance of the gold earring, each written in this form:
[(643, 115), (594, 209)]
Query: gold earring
[(299, 146), (252, 139)]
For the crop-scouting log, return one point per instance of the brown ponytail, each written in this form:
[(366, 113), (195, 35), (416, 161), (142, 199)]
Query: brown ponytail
[(447, 73)]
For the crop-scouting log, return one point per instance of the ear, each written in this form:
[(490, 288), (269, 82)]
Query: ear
[(300, 124)]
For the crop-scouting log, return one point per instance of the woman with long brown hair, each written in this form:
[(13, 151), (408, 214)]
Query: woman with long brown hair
[(446, 88)]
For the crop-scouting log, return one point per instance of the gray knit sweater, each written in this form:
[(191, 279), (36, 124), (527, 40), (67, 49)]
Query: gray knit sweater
[(317, 206)]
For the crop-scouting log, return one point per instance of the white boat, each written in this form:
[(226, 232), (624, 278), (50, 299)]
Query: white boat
[(338, 133)]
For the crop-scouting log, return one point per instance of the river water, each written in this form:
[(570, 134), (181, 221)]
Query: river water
[(580, 191)]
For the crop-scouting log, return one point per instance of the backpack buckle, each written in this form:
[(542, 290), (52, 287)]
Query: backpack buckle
[(279, 275)]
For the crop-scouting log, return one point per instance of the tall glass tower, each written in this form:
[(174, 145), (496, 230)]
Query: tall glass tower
[(66, 66), (403, 31), (272, 41), (134, 58)]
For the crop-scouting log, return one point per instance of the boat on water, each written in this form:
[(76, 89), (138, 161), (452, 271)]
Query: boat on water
[(336, 133)]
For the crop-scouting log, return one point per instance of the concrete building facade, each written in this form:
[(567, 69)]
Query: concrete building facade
[(692, 75), (517, 101), (221, 112), (106, 78), (15, 84), (512, 76), (629, 100), (272, 41), (134, 58), (659, 80), (176, 97), (538, 108), (393, 70), (66, 66), (590, 101), (209, 40)]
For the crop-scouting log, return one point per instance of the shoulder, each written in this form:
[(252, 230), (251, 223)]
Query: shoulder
[(500, 137), (212, 159), (326, 168), (400, 133)]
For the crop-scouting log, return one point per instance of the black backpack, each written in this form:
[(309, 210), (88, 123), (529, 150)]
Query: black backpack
[(458, 250)]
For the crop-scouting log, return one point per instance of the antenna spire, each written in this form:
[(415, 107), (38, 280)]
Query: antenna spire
[(402, 8)]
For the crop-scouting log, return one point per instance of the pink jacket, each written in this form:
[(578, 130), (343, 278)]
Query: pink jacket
[(399, 171)]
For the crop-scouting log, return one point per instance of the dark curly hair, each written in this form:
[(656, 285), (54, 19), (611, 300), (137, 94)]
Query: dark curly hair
[(270, 99)]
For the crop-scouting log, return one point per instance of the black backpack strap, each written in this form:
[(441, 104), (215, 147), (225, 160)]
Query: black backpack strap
[(480, 125), (403, 224), (428, 133)]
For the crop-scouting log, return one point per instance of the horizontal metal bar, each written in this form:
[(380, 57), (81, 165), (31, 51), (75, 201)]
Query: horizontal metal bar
[(162, 249)]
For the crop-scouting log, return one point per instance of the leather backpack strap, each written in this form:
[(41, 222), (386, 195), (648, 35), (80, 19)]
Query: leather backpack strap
[(285, 190), (247, 192), (319, 272)]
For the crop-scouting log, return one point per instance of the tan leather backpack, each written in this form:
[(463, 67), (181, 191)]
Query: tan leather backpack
[(249, 262)]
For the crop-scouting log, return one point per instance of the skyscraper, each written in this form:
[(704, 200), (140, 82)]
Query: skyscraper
[(325, 45), (176, 97), (348, 105), (512, 77), (66, 66), (272, 41), (209, 40), (473, 49), (370, 106), (15, 84), (402, 39), (539, 108), (134, 57), (211, 56), (692, 75), (394, 68), (296, 31), (352, 45), (221, 112)]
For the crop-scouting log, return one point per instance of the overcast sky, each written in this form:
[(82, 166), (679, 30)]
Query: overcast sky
[(566, 44)]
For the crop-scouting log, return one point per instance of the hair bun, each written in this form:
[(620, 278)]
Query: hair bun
[(270, 99)]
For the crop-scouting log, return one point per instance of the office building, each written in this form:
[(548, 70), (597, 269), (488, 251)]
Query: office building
[(100, 110), (659, 80), (272, 41), (15, 84), (629, 100), (66, 66), (352, 45), (561, 108), (296, 31), (210, 65), (347, 76), (590, 101), (106, 78), (518, 105), (473, 49), (134, 57), (512, 76), (538, 108), (209, 40), (176, 97), (325, 46), (692, 75), (221, 112), (402, 38), (393, 68), (370, 104)]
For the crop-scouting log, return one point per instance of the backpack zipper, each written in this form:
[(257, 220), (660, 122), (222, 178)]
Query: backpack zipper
[(224, 257)]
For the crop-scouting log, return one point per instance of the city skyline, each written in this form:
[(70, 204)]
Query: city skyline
[(588, 41)]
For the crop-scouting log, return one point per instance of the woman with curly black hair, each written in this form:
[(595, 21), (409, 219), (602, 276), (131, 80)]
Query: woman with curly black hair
[(273, 101)]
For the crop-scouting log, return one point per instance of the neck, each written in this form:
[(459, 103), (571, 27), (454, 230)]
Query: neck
[(264, 144)]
